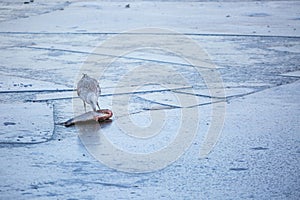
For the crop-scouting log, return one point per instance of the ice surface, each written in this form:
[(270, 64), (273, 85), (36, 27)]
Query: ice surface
[(21, 126), (261, 18), (153, 93)]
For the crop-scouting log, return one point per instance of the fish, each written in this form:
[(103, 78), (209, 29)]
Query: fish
[(99, 115)]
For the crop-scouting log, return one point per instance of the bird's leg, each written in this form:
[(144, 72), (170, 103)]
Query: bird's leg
[(84, 106), (98, 105)]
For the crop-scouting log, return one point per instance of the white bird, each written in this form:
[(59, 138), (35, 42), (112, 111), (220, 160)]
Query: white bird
[(88, 90)]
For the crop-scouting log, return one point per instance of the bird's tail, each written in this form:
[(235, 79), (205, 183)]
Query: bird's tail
[(93, 101)]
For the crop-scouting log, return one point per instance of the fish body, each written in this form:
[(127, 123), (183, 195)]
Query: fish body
[(99, 115)]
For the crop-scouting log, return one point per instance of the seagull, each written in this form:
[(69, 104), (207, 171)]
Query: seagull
[(88, 90)]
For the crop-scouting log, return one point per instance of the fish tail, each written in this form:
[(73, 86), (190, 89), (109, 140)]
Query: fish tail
[(68, 123)]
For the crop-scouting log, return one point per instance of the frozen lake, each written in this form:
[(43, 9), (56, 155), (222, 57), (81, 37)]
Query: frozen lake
[(205, 96)]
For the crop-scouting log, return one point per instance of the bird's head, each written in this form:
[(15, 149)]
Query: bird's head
[(84, 75)]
